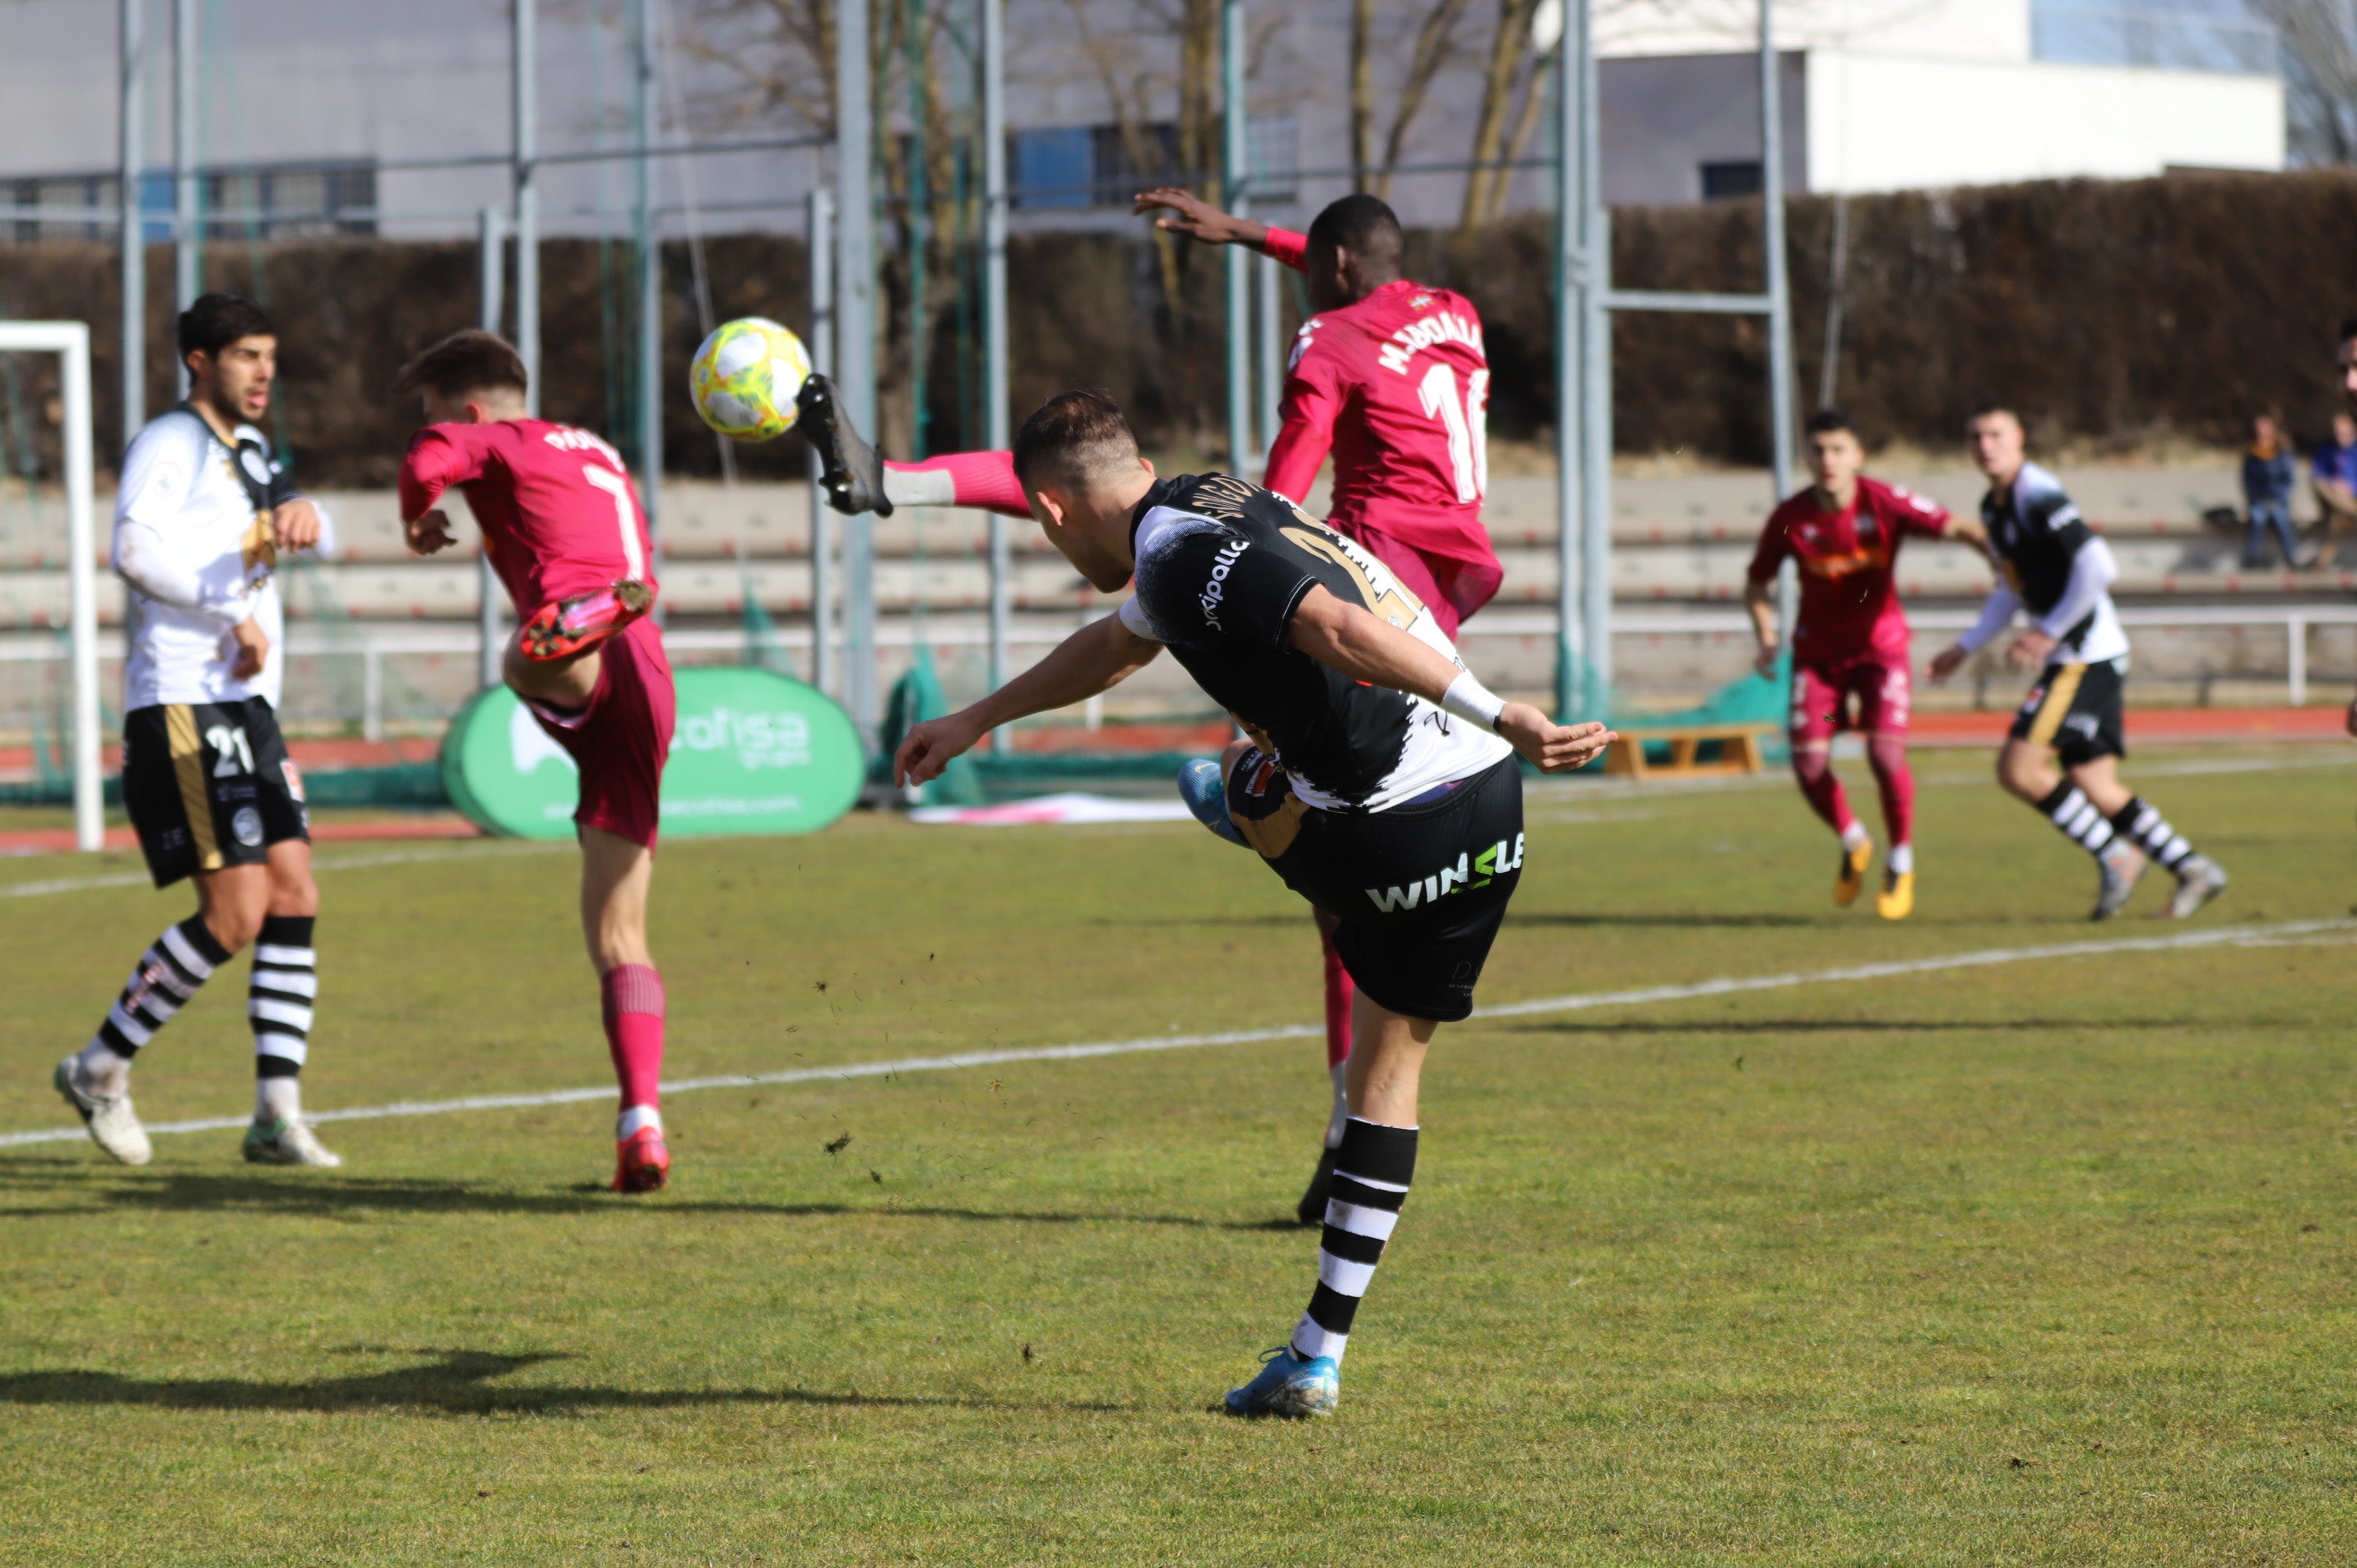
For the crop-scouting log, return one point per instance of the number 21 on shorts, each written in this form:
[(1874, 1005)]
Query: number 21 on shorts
[(1468, 424)]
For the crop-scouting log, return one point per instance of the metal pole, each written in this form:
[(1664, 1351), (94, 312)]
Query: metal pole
[(1780, 303), (525, 103), (1570, 385), (1235, 181), (186, 240), (134, 237), (1272, 354), (490, 282), (649, 242), (996, 416), (82, 589), (1595, 359), (919, 230), (826, 674), (2296, 660), (854, 285)]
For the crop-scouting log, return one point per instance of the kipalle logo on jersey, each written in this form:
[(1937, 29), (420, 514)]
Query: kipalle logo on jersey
[(1216, 589), (1470, 871)]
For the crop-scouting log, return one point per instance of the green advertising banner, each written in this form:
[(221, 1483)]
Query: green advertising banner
[(752, 752)]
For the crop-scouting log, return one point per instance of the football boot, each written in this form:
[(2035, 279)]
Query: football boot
[(850, 472), (571, 625)]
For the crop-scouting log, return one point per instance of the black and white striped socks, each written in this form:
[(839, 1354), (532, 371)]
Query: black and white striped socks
[(2144, 826), (1372, 1172), (280, 993), (2069, 809), (172, 970)]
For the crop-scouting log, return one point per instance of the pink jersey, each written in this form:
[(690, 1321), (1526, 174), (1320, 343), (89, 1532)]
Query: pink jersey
[(1398, 387), (558, 513), (1849, 599)]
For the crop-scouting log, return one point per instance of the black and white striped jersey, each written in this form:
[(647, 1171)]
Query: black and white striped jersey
[(1222, 566), (2035, 531)]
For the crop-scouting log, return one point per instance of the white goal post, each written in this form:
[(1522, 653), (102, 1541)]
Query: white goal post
[(69, 341)]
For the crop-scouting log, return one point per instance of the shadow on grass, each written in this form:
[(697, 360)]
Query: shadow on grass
[(458, 1383), (341, 1195)]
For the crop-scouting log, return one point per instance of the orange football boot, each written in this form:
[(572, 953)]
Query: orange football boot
[(570, 626), (642, 1162)]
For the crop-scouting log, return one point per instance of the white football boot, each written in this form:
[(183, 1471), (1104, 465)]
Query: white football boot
[(286, 1141), (114, 1125), (2199, 880)]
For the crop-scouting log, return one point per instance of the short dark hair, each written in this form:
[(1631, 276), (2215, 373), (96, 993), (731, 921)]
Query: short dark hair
[(471, 361), (1826, 420), (1990, 410), (1075, 436), (216, 320), (1362, 224), (2348, 328)]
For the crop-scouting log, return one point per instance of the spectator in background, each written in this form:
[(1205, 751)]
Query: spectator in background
[(2335, 470), (2268, 474)]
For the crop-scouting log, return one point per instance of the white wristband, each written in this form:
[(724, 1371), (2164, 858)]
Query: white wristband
[(1472, 701)]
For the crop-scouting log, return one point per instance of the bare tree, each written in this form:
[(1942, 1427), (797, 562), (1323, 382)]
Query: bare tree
[(2319, 43), (1435, 49), (1362, 89), (1508, 45)]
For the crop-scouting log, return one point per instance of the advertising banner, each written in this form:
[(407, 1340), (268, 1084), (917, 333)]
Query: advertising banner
[(753, 752)]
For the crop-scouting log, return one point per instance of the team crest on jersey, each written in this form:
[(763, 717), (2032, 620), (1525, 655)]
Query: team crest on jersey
[(1419, 302)]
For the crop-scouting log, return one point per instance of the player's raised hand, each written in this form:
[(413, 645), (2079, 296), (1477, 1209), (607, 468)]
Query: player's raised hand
[(1556, 748), (430, 533), (1196, 218), (929, 747), (1951, 660), (296, 525)]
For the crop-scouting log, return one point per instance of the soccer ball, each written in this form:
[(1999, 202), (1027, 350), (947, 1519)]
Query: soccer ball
[(744, 378)]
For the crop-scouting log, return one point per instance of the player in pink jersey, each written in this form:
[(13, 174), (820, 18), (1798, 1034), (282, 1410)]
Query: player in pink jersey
[(561, 525), (1851, 643), (1390, 376)]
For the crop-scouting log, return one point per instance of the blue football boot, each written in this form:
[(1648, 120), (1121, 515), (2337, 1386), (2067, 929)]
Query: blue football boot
[(1206, 794), (1289, 1387)]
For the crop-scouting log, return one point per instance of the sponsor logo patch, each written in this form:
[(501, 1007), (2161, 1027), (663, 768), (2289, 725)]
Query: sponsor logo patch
[(1470, 871), (245, 826), (1216, 590)]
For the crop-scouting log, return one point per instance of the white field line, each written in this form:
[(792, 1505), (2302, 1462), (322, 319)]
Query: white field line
[(349, 862), (2281, 933)]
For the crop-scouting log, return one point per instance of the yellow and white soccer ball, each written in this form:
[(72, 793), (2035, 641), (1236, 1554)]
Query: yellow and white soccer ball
[(745, 376)]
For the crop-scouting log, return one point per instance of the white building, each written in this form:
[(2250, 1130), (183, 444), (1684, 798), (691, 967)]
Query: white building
[(1905, 95)]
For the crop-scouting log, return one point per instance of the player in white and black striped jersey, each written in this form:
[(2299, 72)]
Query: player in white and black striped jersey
[(2060, 571), (201, 518)]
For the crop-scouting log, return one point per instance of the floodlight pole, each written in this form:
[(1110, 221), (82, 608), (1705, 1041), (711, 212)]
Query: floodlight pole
[(1571, 315), (649, 238), (1780, 303), (1595, 369), (1236, 193), (996, 417), (826, 674), (524, 99), (1271, 343), (186, 254), (854, 327), (133, 236), (489, 283)]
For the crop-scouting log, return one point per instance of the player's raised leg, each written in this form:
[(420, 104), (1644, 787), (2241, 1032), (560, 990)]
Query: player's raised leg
[(856, 479)]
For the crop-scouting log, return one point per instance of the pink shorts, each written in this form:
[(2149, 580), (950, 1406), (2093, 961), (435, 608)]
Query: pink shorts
[(1822, 694), (622, 740)]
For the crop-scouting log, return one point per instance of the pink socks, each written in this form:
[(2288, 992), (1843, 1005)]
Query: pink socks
[(985, 479), (633, 995), (1814, 769)]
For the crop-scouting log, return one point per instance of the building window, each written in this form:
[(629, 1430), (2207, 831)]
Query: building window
[(265, 201), (1729, 181), (1070, 167), (2179, 34)]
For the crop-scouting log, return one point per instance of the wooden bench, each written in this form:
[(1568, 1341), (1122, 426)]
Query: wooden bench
[(1739, 749)]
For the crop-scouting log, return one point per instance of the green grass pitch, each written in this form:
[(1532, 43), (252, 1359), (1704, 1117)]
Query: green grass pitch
[(2049, 1261)]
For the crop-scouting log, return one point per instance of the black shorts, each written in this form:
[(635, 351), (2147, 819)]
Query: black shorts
[(1418, 891), (209, 785), (2075, 709)]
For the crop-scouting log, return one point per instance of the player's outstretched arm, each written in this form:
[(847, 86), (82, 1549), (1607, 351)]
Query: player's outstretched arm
[(1346, 638), (1094, 658), (1197, 220)]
